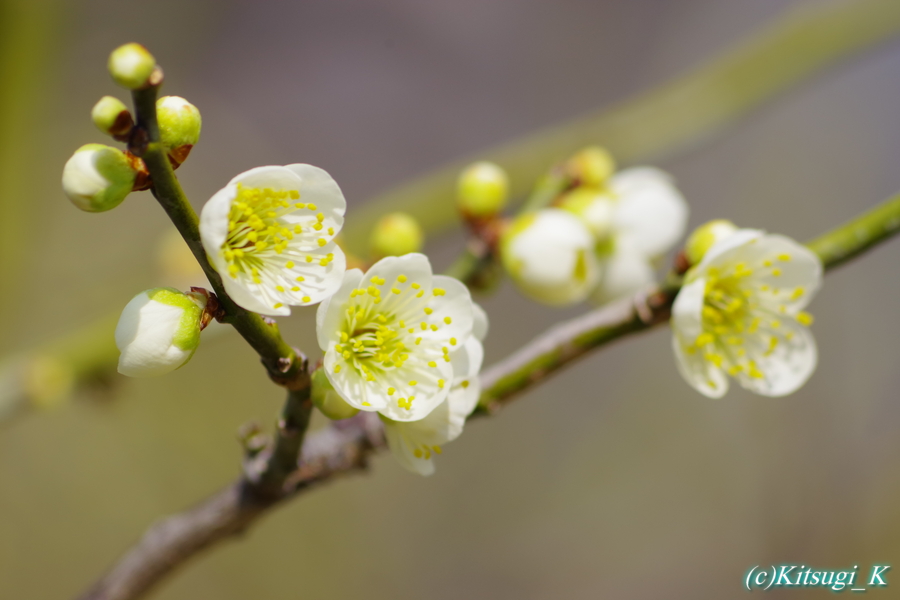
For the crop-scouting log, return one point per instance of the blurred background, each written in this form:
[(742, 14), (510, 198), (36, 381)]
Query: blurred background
[(615, 479)]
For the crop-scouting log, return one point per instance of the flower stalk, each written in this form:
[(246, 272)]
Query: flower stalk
[(277, 356)]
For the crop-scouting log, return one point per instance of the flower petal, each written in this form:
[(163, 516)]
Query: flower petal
[(786, 367), (403, 449), (271, 176), (551, 257), (331, 311), (687, 311), (479, 322), (702, 374), (785, 273), (650, 209), (625, 273)]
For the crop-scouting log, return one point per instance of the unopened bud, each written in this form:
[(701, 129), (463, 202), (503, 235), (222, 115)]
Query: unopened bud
[(158, 332), (592, 166), (111, 117), (131, 66), (549, 254), (705, 237), (396, 234), (482, 190), (179, 126), (98, 177), (327, 399), (595, 208)]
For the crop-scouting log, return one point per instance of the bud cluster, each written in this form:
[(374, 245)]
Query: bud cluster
[(98, 177)]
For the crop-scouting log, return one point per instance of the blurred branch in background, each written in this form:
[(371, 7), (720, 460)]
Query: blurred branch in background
[(659, 123), (344, 446), (665, 120)]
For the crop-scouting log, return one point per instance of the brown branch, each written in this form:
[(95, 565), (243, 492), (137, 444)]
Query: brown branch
[(345, 446)]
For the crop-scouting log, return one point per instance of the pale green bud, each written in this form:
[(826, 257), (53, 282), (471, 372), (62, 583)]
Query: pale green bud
[(549, 254), (131, 66), (593, 166), (327, 399), (179, 124), (595, 208), (158, 332), (98, 177), (482, 190), (396, 234), (111, 116), (705, 237)]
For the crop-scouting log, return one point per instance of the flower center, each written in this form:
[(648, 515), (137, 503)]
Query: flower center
[(735, 322), (257, 229), (376, 342)]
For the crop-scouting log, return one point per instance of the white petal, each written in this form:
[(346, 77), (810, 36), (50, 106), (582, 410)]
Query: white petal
[(479, 322), (253, 297), (414, 291), (214, 226), (321, 189), (428, 392), (331, 311), (788, 366), (271, 176), (403, 450), (454, 305), (723, 248), (687, 310), (467, 360), (351, 385), (781, 267), (463, 400), (702, 374), (625, 273), (650, 208), (551, 259)]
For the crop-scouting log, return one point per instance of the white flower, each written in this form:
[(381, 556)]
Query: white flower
[(388, 335), (158, 332), (740, 313), (270, 233), (415, 443), (549, 255), (635, 219)]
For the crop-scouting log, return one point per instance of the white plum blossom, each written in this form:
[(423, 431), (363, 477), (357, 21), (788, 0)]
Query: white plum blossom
[(270, 233), (415, 443), (549, 255), (158, 331), (636, 217), (388, 336), (740, 314)]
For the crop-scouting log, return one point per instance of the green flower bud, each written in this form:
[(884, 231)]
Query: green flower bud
[(131, 66), (482, 190), (98, 177), (111, 116), (327, 399), (179, 125), (705, 237), (158, 332), (396, 234), (593, 166)]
